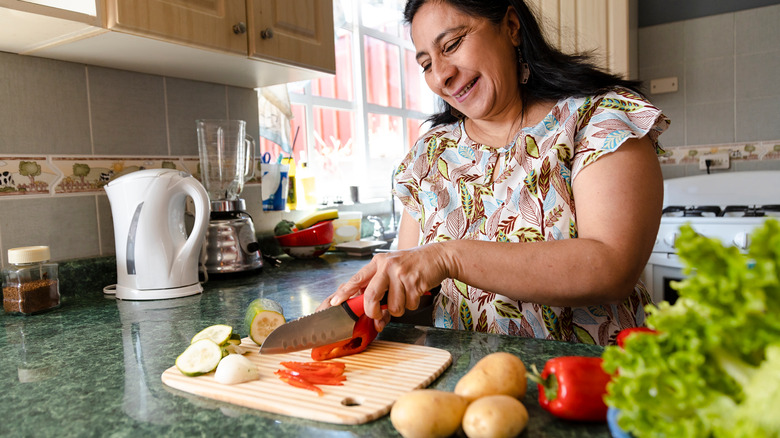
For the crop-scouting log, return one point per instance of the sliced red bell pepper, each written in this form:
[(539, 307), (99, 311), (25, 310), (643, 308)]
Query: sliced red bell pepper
[(362, 335), (573, 388), (318, 373), (323, 368), (621, 337), (297, 381), (319, 379)]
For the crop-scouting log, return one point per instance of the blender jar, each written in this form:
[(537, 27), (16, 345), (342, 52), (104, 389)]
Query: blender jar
[(226, 157)]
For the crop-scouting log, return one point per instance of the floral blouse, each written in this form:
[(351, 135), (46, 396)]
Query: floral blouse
[(445, 184)]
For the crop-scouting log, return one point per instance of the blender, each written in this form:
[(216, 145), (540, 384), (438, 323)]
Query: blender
[(226, 161)]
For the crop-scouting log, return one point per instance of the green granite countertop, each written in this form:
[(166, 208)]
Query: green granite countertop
[(92, 366)]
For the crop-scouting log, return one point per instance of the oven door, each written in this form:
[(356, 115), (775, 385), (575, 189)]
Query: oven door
[(660, 271)]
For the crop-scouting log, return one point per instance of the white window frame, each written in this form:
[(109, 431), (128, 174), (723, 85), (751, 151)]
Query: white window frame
[(372, 189)]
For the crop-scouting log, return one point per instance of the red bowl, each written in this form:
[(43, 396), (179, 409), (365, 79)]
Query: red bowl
[(319, 234)]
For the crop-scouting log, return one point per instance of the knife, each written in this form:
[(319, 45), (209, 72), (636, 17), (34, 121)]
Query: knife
[(320, 328)]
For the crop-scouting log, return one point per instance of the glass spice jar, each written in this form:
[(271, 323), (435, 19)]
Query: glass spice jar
[(30, 284)]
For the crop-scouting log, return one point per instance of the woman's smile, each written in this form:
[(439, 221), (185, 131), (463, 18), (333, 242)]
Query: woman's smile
[(460, 96)]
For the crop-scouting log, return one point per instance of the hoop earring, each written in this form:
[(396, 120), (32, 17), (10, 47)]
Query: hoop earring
[(525, 71)]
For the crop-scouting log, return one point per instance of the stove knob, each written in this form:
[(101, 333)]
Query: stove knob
[(742, 240), (670, 239)]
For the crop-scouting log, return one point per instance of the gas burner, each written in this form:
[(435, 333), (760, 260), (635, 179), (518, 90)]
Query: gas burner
[(771, 210), (751, 211), (700, 211)]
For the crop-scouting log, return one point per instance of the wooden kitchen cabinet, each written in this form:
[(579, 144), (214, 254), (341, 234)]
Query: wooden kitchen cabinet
[(607, 28), (214, 24), (296, 31), (245, 43)]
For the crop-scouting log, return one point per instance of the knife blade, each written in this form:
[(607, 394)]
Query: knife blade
[(320, 328)]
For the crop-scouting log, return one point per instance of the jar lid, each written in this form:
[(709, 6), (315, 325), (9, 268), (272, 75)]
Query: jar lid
[(28, 254)]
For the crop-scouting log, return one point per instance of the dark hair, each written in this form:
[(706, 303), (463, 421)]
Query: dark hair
[(554, 74)]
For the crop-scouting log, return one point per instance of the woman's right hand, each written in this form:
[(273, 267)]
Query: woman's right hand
[(405, 275)]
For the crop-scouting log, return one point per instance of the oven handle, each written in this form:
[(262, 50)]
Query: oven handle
[(668, 260)]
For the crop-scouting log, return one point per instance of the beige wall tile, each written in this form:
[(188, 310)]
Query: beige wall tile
[(43, 106), (128, 112), (67, 224), (189, 101), (242, 105), (105, 226), (727, 68)]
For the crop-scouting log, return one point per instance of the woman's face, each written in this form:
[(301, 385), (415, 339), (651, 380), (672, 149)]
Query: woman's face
[(468, 61)]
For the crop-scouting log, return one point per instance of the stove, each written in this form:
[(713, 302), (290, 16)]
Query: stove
[(727, 206)]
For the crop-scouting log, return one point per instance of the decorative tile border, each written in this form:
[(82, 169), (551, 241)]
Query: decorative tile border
[(90, 174), (26, 175), (49, 175), (752, 151)]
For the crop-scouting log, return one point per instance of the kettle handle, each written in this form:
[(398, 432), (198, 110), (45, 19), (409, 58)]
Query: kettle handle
[(200, 199), (249, 169)]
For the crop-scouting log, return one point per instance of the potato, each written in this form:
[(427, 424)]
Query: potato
[(428, 413), (495, 416), (496, 373)]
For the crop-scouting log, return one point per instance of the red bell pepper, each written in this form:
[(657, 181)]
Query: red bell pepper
[(316, 379), (573, 388), (321, 368), (297, 381), (318, 373), (362, 335), (621, 337), (308, 375)]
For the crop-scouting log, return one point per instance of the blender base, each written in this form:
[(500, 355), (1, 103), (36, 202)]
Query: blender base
[(231, 245)]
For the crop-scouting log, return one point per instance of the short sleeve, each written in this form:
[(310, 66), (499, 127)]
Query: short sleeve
[(607, 121), (408, 182)]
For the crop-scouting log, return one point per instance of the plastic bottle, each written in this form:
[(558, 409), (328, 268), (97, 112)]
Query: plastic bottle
[(292, 195), (31, 284), (307, 191)]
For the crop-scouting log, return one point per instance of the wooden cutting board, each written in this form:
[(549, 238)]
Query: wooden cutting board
[(375, 379)]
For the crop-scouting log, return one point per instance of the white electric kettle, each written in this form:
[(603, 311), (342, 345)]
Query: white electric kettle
[(155, 259)]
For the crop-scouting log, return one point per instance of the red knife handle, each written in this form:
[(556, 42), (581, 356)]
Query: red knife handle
[(354, 306)]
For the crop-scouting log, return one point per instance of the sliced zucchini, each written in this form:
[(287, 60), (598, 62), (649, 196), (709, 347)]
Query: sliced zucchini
[(263, 316), (200, 357), (219, 333)]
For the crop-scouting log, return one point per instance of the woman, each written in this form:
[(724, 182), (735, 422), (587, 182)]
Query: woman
[(489, 192)]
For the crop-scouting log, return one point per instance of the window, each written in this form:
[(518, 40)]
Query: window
[(355, 127)]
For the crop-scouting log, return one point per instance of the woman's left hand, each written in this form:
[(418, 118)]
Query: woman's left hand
[(405, 275)]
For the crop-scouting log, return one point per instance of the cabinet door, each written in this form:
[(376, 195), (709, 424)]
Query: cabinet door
[(604, 28), (297, 32), (215, 24)]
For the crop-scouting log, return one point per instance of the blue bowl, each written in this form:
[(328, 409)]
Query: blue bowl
[(614, 429)]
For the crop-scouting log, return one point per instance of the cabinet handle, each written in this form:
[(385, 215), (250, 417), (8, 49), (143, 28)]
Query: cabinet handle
[(267, 34), (239, 28)]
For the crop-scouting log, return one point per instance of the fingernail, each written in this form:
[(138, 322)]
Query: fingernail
[(334, 302)]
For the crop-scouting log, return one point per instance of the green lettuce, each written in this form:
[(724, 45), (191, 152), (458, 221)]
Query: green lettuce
[(714, 368)]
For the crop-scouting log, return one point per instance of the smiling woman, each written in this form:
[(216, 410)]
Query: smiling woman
[(489, 192)]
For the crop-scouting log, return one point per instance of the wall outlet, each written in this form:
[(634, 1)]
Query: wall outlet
[(717, 161), (663, 85)]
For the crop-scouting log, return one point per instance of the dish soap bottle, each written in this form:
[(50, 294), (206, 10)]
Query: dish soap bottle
[(30, 284), (292, 196)]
